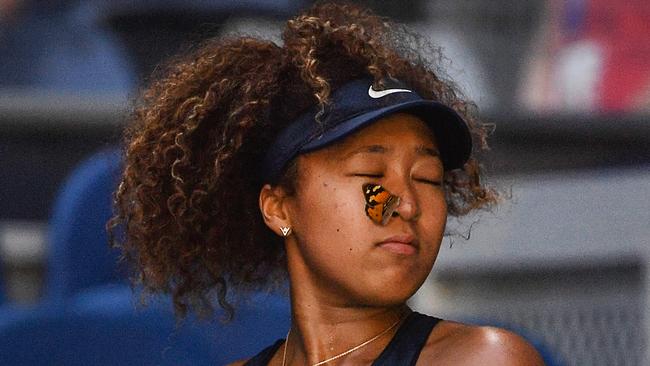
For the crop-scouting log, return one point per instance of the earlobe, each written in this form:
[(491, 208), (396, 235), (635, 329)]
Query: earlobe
[(272, 203)]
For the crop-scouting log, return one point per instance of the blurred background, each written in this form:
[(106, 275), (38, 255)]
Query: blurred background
[(566, 83)]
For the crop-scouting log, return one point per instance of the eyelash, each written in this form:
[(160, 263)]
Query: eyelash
[(431, 182)]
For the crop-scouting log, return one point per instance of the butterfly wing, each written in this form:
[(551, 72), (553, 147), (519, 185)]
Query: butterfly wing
[(388, 208), (375, 213), (380, 204)]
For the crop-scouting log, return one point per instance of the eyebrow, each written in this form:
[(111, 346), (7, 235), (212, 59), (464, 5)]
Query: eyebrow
[(429, 151), (380, 149)]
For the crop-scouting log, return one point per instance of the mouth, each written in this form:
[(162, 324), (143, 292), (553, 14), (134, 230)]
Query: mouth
[(400, 244)]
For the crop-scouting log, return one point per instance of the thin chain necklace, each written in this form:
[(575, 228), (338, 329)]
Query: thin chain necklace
[(284, 352)]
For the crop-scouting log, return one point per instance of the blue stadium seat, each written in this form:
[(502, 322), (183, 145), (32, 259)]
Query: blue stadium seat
[(89, 315), (102, 329), (78, 252), (259, 320)]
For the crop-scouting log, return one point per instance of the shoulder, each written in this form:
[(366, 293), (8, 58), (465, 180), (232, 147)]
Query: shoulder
[(462, 344)]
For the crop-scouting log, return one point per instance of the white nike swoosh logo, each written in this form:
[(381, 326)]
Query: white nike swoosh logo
[(382, 93)]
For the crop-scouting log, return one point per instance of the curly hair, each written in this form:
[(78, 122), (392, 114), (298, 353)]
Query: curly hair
[(187, 204)]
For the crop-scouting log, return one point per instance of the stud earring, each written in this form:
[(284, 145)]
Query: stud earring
[(285, 230)]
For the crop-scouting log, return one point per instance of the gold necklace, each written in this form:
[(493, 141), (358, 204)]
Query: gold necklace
[(284, 352)]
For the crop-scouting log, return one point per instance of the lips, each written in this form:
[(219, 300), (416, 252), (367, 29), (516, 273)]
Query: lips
[(400, 244)]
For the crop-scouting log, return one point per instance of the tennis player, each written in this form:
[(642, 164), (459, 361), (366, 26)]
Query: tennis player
[(331, 161)]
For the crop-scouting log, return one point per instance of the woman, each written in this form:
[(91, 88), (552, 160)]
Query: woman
[(332, 160)]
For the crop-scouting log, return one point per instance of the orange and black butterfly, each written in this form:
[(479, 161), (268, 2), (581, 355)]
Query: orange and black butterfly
[(380, 204)]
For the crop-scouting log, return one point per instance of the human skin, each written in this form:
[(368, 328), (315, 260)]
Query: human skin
[(346, 287)]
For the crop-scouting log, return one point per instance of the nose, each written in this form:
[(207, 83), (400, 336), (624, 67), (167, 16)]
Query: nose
[(408, 208)]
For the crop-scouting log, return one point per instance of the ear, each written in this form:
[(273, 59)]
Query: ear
[(274, 207)]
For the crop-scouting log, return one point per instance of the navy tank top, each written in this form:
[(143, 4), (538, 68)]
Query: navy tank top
[(403, 349)]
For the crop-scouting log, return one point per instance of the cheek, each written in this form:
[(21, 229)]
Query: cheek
[(328, 216), (437, 208), (434, 216)]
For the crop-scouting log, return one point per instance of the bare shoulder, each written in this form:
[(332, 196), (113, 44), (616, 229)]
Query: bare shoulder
[(452, 343)]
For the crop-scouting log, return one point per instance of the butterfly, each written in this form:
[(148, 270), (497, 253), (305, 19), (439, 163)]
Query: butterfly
[(380, 204)]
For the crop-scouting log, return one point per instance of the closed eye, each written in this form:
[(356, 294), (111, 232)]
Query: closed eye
[(368, 175), (432, 182), (426, 181)]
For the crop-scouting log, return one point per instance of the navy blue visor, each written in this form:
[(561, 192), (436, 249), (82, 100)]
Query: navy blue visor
[(355, 105)]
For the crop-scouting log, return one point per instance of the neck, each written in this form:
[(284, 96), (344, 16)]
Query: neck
[(315, 338), (326, 324)]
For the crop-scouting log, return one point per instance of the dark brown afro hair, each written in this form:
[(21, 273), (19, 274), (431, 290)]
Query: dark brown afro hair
[(187, 209)]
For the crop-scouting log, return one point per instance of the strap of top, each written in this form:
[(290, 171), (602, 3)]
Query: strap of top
[(403, 349), (406, 345), (263, 358)]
